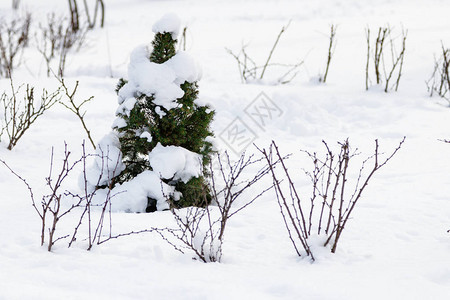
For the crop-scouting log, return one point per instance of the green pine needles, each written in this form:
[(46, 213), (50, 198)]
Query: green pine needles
[(163, 47), (187, 125)]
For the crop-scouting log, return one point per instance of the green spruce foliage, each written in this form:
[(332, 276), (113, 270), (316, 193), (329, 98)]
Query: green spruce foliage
[(187, 126)]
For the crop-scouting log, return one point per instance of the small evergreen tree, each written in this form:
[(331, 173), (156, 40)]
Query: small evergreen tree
[(186, 125)]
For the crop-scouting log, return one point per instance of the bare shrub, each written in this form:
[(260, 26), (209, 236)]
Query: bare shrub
[(14, 37), (50, 38), (202, 230), (387, 65), (56, 38), (49, 209), (18, 115), (60, 202), (250, 71), (331, 201), (331, 48), (439, 81)]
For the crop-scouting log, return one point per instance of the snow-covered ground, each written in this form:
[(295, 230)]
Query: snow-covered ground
[(396, 245)]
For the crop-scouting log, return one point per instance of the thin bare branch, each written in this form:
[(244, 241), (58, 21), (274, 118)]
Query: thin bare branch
[(76, 108), (331, 48), (273, 49)]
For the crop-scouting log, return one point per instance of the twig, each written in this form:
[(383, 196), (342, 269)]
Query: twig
[(76, 109), (331, 49), (368, 58), (273, 49)]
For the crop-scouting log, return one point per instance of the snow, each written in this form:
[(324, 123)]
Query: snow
[(146, 135), (132, 195), (175, 162), (107, 163), (162, 81), (151, 79), (126, 92), (119, 123), (126, 107), (396, 246), (186, 68), (169, 23), (160, 112), (170, 162)]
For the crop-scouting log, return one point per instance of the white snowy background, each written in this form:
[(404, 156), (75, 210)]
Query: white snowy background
[(396, 245)]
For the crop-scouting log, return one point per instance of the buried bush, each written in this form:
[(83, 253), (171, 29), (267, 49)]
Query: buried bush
[(161, 131), (333, 198)]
